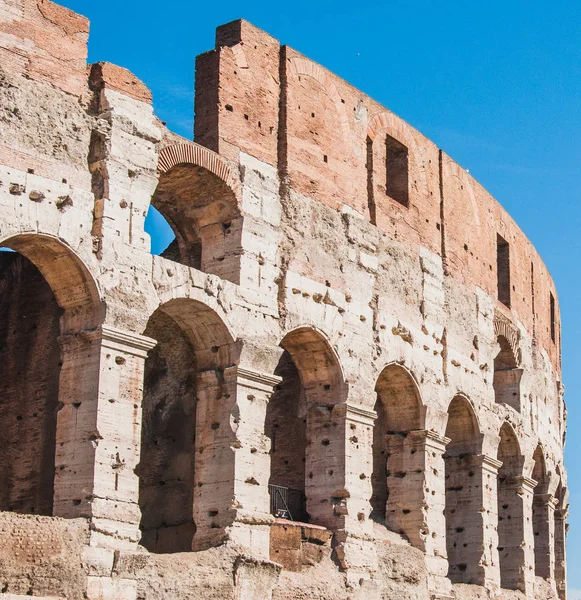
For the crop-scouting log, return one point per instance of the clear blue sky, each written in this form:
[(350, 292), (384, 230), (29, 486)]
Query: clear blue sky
[(496, 84)]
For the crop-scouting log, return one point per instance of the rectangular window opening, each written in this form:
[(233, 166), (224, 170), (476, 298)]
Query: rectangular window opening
[(553, 324), (503, 270), (396, 167)]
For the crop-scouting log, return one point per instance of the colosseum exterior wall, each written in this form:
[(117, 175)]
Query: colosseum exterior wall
[(341, 380)]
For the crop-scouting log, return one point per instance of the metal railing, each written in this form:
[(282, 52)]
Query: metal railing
[(287, 503)]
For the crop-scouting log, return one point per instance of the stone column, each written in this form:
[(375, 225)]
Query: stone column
[(417, 497), (544, 532), (472, 538), (232, 463), (515, 549), (325, 470), (487, 471), (354, 547), (99, 431), (560, 552)]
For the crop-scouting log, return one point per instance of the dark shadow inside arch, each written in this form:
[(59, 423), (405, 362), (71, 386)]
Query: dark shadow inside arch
[(511, 511), (463, 494), (507, 376), (191, 339), (311, 378), (543, 513), (399, 411), (29, 386), (45, 291)]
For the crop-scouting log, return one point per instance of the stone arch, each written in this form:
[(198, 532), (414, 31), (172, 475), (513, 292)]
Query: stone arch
[(316, 359), (392, 125), (70, 280), (507, 375), (187, 386), (400, 411), (464, 526), (539, 472), (463, 428), (505, 329), (199, 195), (561, 498), (511, 511), (298, 424), (543, 516), (45, 291), (194, 154), (303, 66)]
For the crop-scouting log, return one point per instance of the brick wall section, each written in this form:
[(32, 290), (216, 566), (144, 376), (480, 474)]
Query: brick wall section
[(45, 42), (331, 147), (242, 112)]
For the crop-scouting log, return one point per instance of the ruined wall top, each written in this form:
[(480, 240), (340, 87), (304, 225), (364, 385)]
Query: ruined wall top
[(326, 139)]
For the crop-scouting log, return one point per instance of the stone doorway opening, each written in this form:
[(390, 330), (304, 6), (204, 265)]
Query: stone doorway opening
[(185, 472), (306, 450), (46, 299)]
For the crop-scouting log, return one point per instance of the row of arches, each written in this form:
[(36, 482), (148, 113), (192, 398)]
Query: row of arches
[(187, 386)]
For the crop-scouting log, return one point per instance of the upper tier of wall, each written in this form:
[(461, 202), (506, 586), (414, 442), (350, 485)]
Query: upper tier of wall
[(328, 141)]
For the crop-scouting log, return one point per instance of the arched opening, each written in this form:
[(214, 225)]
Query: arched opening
[(398, 409), (305, 459), (286, 426), (201, 207), (511, 517), (186, 368), (560, 535), (507, 376), (543, 517), (161, 234), (463, 493), (45, 291)]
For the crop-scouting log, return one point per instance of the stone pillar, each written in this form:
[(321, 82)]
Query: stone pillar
[(354, 547), (417, 499), (560, 553), (515, 534), (232, 463), (325, 470), (471, 510), (487, 471), (544, 532), (98, 432)]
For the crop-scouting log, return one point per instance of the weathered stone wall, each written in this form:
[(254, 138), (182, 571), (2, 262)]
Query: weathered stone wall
[(339, 314)]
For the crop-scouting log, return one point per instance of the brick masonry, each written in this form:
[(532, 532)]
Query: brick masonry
[(344, 312)]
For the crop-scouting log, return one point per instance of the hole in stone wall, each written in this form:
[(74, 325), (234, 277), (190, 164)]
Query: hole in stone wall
[(301, 408), (179, 481), (29, 386), (163, 239)]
